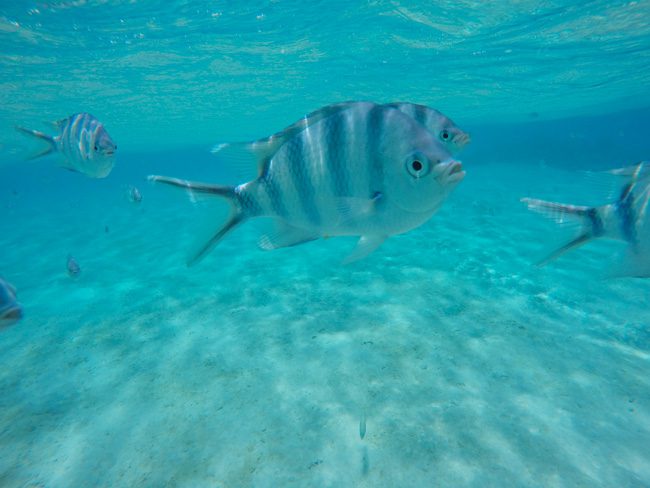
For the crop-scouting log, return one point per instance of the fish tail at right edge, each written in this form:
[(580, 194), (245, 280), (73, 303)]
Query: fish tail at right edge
[(589, 217), (40, 135), (237, 213)]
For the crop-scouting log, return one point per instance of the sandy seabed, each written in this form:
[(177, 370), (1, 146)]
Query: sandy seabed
[(471, 366)]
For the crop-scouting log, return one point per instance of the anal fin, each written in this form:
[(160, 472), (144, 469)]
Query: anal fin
[(365, 246), (286, 235)]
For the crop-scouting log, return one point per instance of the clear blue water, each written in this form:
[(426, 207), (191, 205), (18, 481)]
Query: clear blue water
[(471, 366)]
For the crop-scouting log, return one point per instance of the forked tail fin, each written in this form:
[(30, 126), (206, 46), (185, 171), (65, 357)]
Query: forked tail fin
[(589, 217), (40, 135), (237, 215)]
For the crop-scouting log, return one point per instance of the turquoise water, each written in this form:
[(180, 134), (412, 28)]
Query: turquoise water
[(470, 365)]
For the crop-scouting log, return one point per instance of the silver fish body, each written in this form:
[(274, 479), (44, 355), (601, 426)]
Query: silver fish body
[(347, 175), (356, 168), (447, 132), (625, 220), (83, 142), (10, 310)]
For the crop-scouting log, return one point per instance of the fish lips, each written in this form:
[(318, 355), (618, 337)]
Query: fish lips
[(462, 140), (449, 172)]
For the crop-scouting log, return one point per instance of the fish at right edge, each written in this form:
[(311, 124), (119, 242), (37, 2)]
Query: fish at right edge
[(10, 310), (625, 220)]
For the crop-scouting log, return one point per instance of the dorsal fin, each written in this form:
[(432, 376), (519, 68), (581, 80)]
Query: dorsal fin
[(636, 172), (59, 124), (262, 150)]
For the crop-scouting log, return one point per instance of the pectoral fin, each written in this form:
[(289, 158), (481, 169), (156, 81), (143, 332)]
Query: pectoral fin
[(352, 209), (365, 246)]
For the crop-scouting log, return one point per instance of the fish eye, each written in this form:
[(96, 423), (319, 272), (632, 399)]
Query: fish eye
[(417, 166), (444, 135)]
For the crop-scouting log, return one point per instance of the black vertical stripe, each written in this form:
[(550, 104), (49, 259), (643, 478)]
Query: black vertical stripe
[(625, 211), (335, 154), (421, 114), (300, 169), (273, 191), (597, 227), (376, 120), (248, 202)]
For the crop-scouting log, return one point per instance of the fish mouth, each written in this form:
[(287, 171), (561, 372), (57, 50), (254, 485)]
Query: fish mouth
[(450, 172), (461, 140)]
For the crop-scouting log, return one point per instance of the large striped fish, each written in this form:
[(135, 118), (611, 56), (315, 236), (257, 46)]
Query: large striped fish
[(355, 168), (83, 142), (626, 219)]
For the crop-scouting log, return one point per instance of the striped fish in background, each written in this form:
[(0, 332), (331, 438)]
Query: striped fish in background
[(626, 219), (355, 168), (449, 134), (83, 142)]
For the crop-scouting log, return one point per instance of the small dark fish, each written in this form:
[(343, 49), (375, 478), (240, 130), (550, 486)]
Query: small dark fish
[(73, 266), (10, 310), (362, 425), (83, 142), (106, 229), (134, 195)]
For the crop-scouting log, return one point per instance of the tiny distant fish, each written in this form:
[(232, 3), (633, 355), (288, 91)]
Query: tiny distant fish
[(626, 219), (10, 310), (73, 266), (451, 136), (354, 168), (83, 142), (362, 425), (134, 195)]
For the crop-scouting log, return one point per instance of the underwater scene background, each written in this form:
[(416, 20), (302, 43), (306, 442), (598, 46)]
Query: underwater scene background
[(445, 358)]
